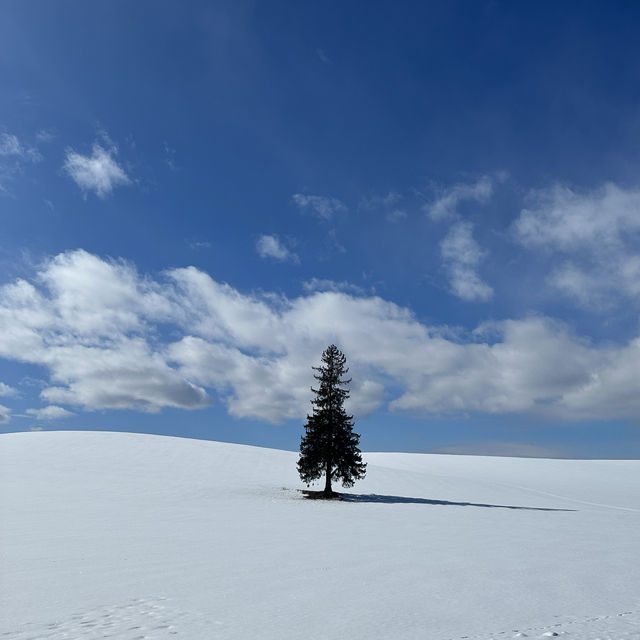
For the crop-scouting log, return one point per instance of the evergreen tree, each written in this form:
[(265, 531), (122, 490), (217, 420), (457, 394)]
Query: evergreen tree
[(330, 446)]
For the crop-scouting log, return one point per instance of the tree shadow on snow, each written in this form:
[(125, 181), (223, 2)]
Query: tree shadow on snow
[(374, 497)]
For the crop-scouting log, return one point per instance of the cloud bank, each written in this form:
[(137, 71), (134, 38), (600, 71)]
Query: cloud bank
[(112, 338)]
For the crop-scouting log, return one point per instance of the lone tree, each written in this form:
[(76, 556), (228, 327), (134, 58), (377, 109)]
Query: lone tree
[(329, 445)]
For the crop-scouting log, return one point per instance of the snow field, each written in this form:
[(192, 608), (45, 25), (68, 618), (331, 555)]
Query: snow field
[(112, 535)]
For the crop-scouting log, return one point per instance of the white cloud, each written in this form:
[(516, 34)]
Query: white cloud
[(6, 390), (611, 389), (271, 247), (462, 255), (387, 204), (14, 154), (5, 414), (52, 412), (323, 284), (199, 244), (10, 146), (320, 206), (99, 172), (45, 135), (111, 338), (593, 239), (126, 375), (86, 324), (446, 204)]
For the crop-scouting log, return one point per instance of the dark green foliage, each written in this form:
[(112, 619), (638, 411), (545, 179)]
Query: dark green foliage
[(330, 446)]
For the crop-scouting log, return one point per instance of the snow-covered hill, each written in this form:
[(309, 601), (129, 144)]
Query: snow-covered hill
[(135, 536)]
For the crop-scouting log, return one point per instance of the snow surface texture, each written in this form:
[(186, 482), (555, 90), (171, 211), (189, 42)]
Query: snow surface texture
[(111, 535)]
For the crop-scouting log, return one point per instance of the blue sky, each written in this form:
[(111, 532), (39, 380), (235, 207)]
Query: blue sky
[(196, 200)]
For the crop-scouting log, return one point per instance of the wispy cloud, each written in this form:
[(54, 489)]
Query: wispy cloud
[(321, 206), (445, 205), (462, 255), (99, 172), (396, 215), (590, 240), (387, 205), (323, 284), (372, 203), (322, 56), (11, 146), (14, 155), (52, 412), (45, 135), (5, 414), (170, 157), (99, 328), (270, 246), (199, 244)]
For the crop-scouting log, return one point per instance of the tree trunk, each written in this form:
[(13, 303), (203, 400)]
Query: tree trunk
[(327, 484)]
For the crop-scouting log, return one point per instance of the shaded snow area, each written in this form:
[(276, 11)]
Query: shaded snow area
[(111, 535)]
